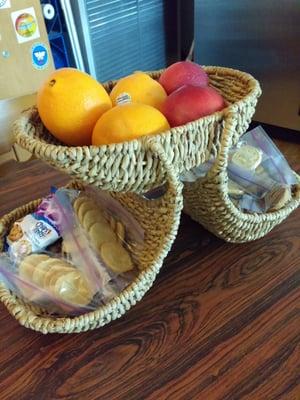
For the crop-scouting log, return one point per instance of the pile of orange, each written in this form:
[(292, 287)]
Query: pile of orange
[(78, 111)]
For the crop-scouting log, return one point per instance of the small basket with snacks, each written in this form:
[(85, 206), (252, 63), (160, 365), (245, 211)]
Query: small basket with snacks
[(82, 257), (243, 191)]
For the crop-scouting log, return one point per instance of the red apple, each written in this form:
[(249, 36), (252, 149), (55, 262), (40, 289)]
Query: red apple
[(189, 103), (183, 73)]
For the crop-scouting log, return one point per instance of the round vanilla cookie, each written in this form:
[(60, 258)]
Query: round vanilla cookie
[(120, 230), (278, 197), (55, 271), (29, 263), (39, 273), (56, 268), (85, 207), (77, 203), (116, 257), (234, 189), (101, 232), (92, 216), (248, 157), (73, 288), (63, 271), (113, 223), (83, 287), (27, 268), (67, 278)]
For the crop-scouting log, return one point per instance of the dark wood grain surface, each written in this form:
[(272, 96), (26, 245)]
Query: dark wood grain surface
[(221, 322)]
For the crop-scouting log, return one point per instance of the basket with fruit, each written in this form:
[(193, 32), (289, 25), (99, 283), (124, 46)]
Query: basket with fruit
[(96, 133)]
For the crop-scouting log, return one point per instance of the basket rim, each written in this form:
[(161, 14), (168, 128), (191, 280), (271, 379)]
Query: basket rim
[(136, 143), (254, 217), (266, 216)]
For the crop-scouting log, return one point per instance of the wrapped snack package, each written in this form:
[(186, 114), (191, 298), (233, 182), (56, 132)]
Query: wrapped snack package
[(34, 232), (88, 261), (259, 177)]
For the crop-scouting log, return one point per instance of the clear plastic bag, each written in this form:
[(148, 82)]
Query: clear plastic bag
[(273, 163), (259, 177), (258, 166), (91, 262)]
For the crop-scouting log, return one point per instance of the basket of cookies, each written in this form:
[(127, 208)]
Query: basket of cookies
[(243, 191), (95, 134), (82, 257)]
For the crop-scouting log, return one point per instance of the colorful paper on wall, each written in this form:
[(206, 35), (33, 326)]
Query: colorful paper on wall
[(25, 25)]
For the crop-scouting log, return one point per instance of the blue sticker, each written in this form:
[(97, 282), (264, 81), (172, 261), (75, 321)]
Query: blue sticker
[(39, 56)]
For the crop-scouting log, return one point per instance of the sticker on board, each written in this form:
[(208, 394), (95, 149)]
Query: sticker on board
[(4, 4), (25, 24), (39, 56)]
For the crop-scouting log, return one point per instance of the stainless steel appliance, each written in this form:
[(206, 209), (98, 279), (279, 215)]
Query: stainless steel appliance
[(261, 37)]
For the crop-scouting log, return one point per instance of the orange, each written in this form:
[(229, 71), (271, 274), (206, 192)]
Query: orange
[(127, 122), (69, 103), (138, 88)]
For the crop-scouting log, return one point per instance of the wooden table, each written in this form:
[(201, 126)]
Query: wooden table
[(221, 322)]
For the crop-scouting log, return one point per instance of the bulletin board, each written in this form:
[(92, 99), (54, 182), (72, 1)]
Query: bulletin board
[(25, 55)]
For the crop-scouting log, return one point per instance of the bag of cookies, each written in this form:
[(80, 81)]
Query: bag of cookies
[(91, 261), (48, 282), (259, 177)]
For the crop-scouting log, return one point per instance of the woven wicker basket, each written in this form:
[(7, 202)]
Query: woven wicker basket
[(207, 200), (159, 219), (128, 166)]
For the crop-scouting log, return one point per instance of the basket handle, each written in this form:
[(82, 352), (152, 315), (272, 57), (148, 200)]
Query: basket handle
[(175, 186), (221, 162)]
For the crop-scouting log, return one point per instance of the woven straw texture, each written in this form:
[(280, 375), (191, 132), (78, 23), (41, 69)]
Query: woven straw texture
[(208, 203), (159, 219), (128, 166)]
